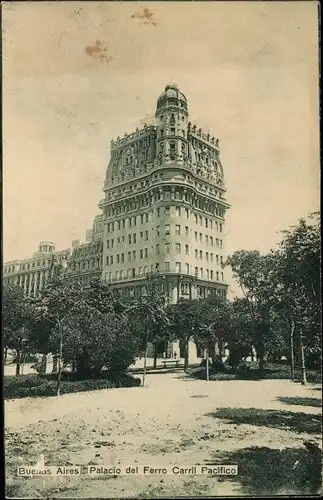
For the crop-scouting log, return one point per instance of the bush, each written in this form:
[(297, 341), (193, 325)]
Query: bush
[(33, 386), (199, 372), (243, 370), (248, 371), (216, 366), (222, 376)]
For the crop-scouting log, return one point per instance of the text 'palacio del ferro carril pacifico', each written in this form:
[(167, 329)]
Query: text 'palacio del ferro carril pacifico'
[(163, 214)]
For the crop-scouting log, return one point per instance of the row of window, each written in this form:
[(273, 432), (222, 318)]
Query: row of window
[(179, 211), (172, 131), (209, 240), (133, 187), (187, 269), (132, 238), (27, 266), (120, 258), (32, 265), (87, 264)]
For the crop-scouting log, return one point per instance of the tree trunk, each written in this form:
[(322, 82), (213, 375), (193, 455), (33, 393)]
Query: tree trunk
[(155, 356), (252, 353), (186, 355), (55, 359), (207, 366), (18, 362), (261, 365), (5, 354), (261, 358), (74, 366), (303, 366), (145, 362), (43, 365), (261, 352), (292, 357), (60, 355)]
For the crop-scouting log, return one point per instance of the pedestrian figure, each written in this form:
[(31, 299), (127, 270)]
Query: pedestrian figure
[(175, 354)]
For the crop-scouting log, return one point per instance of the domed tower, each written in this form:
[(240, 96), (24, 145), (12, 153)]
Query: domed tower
[(171, 123)]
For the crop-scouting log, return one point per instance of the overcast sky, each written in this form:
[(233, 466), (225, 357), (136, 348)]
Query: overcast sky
[(77, 74)]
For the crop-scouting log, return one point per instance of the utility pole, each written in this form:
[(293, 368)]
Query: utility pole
[(292, 357), (145, 359), (60, 355)]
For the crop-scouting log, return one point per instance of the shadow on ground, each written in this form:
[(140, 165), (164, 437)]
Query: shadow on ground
[(298, 401), (265, 471), (297, 422)]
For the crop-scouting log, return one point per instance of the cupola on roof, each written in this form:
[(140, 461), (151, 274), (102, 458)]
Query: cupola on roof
[(171, 93)]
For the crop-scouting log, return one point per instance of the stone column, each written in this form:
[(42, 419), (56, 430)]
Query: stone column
[(25, 284), (36, 277), (42, 277), (173, 292), (30, 284)]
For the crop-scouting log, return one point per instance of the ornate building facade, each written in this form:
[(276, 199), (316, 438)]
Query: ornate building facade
[(32, 273), (163, 215), (81, 263), (164, 207)]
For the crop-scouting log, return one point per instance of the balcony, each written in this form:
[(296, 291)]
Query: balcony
[(151, 275)]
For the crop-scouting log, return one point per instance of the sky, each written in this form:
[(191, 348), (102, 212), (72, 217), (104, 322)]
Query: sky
[(78, 74)]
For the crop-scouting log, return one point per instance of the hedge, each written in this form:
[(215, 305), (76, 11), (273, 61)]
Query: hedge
[(25, 386), (272, 372)]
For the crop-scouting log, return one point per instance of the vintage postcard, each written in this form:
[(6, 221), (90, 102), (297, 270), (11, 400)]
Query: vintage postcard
[(161, 270)]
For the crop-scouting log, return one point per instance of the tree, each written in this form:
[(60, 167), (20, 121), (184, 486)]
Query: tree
[(17, 319), (253, 273), (100, 296), (241, 336), (149, 311), (184, 323), (213, 317), (98, 341), (297, 286), (58, 303)]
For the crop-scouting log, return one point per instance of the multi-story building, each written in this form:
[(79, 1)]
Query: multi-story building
[(85, 261), (82, 263), (32, 273), (163, 215), (164, 206)]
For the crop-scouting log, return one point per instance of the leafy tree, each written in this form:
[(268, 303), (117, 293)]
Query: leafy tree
[(100, 296), (148, 315), (213, 316), (297, 286), (17, 320), (59, 302), (184, 323), (253, 273), (98, 341), (241, 337)]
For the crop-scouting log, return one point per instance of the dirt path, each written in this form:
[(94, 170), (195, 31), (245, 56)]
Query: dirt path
[(173, 420)]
